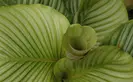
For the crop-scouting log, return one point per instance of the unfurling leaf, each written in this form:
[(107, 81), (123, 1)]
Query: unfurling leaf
[(78, 40)]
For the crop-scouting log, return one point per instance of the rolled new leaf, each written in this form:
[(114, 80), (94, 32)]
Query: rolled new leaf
[(78, 40), (104, 64), (30, 42), (123, 37)]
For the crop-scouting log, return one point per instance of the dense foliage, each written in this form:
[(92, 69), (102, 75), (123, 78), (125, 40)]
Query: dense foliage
[(65, 41)]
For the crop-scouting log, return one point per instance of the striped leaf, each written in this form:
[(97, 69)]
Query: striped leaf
[(103, 15), (13, 2), (56, 4), (30, 42), (123, 37), (105, 64)]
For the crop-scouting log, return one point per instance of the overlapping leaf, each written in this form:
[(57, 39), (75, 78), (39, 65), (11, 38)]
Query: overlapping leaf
[(13, 2), (103, 15), (56, 4), (31, 38), (105, 64), (30, 42), (123, 37)]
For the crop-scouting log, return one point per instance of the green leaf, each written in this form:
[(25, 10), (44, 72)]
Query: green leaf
[(56, 4), (123, 37), (75, 7), (105, 17), (30, 42), (105, 64), (13, 2)]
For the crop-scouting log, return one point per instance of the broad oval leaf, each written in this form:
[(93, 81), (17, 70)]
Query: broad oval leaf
[(123, 37), (105, 64), (30, 42)]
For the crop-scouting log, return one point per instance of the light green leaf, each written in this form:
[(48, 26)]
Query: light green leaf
[(105, 64), (13, 2), (78, 40), (30, 42), (56, 4), (123, 37), (105, 17)]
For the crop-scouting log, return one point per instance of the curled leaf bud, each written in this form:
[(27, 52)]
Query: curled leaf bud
[(78, 40)]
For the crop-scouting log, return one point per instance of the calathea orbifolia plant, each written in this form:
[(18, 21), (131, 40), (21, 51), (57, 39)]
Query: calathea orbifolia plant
[(39, 44)]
